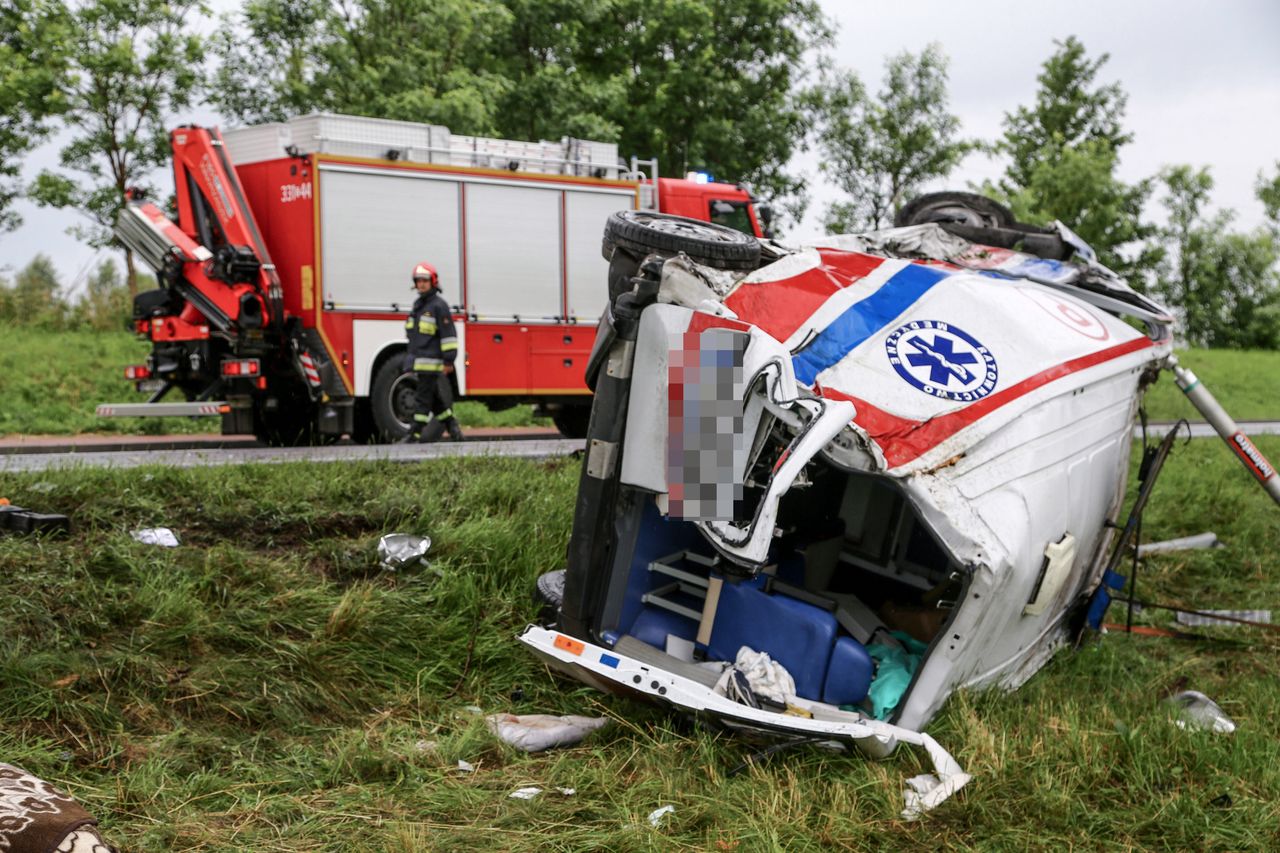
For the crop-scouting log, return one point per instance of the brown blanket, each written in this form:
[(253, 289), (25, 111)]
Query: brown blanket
[(36, 817)]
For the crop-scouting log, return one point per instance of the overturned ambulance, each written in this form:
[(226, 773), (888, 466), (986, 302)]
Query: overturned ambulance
[(825, 488)]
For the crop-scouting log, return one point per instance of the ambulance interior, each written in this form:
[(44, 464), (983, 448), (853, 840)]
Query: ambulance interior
[(855, 591)]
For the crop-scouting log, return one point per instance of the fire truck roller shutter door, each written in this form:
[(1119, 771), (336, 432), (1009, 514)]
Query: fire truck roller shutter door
[(376, 225), (514, 252), (586, 212)]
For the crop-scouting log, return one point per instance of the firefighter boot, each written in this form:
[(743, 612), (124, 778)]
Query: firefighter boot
[(411, 437), (432, 432), (455, 430)]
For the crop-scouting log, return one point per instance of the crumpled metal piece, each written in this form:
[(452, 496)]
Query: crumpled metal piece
[(1197, 712), (162, 536), (536, 732), (396, 550)]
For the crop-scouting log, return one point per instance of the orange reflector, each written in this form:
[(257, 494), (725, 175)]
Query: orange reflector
[(223, 409), (568, 644)]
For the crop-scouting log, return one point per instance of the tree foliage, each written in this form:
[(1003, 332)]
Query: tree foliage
[(133, 64), (881, 152), (33, 59), (1064, 151), (1225, 284), (698, 84)]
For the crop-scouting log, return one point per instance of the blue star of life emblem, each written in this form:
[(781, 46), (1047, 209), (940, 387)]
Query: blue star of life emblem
[(942, 360)]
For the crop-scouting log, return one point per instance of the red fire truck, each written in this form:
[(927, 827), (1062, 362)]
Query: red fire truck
[(285, 278)]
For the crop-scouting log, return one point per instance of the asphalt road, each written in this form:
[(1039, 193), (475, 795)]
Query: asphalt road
[(42, 453), (201, 457)]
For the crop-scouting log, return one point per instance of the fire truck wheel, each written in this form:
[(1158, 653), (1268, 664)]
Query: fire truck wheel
[(392, 400), (572, 420), (955, 208), (287, 424), (713, 245)]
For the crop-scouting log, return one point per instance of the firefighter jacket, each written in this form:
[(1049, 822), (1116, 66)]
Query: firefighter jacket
[(432, 340)]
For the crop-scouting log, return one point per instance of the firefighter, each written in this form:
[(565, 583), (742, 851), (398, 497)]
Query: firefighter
[(433, 348)]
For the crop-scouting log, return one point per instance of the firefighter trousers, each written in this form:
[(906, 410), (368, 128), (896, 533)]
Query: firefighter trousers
[(433, 398)]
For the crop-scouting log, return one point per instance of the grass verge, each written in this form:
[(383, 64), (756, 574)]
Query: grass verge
[(267, 686), (1246, 383), (51, 383)]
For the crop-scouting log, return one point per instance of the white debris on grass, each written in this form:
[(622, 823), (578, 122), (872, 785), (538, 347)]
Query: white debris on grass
[(536, 732), (397, 550), (656, 816), (524, 793), (466, 766), (162, 536)]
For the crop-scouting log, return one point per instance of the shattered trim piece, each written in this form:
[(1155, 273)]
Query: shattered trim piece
[(877, 739)]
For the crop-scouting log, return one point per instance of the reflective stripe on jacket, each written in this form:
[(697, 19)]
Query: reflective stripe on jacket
[(433, 342)]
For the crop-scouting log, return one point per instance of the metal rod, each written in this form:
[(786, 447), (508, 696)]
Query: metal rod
[(1244, 449)]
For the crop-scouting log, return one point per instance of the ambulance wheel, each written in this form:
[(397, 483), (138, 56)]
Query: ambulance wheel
[(572, 420), (392, 400), (954, 208), (712, 245)]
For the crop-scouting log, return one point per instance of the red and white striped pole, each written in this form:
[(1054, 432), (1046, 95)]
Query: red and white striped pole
[(1244, 449)]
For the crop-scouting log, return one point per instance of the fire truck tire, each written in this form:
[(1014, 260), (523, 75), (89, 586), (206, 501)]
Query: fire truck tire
[(572, 420), (392, 400), (956, 208), (288, 424), (718, 246)]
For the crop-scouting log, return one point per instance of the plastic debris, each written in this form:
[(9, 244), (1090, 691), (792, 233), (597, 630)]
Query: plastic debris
[(926, 791), (1197, 712), (536, 732), (162, 536), (466, 766), (656, 816), (568, 792), (397, 550), (1198, 620), (1186, 543), (15, 519), (524, 793)]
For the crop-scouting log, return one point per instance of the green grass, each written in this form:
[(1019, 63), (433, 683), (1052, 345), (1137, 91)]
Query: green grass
[(267, 687), (51, 383), (1245, 382)]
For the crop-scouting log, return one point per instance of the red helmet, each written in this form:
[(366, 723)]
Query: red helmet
[(427, 271)]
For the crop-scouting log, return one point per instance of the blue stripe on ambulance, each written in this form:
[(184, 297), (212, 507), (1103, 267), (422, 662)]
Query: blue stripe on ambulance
[(863, 319)]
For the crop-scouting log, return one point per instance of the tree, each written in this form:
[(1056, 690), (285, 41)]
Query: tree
[(1063, 155), (1226, 285), (1268, 192), (133, 65), (880, 152), (418, 60), (697, 84), (105, 305), (33, 61), (35, 298), (708, 84)]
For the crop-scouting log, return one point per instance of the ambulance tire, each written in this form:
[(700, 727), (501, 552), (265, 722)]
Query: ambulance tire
[(712, 245), (392, 400), (572, 420), (954, 208)]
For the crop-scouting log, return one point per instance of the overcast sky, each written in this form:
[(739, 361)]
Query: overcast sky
[(1203, 82)]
